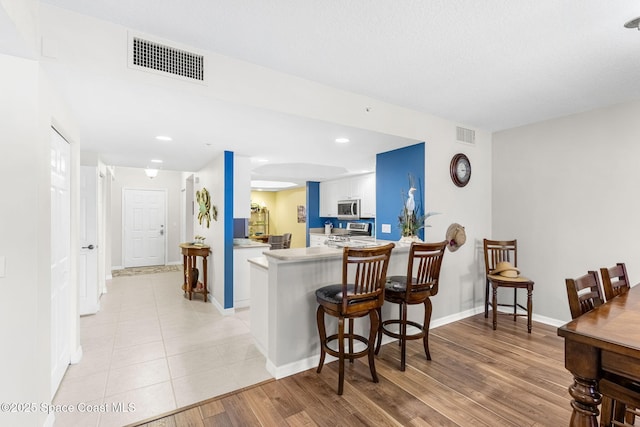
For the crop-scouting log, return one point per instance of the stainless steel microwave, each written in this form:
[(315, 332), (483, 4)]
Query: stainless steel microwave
[(349, 209)]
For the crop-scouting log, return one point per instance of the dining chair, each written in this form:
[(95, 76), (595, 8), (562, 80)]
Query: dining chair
[(620, 397), (584, 293), (615, 280), (276, 242), (360, 294), (495, 252), (287, 240), (416, 287)]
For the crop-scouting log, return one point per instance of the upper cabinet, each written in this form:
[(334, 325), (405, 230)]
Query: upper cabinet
[(361, 187)]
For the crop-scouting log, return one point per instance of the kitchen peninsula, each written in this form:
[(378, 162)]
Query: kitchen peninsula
[(283, 303)]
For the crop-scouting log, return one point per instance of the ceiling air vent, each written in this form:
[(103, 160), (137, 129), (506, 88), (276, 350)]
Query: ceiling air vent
[(466, 135), (161, 58)]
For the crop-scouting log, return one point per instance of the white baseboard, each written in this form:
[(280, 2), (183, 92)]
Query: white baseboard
[(76, 357), (221, 309)]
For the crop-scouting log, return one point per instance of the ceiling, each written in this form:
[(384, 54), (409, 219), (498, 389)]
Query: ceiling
[(491, 64)]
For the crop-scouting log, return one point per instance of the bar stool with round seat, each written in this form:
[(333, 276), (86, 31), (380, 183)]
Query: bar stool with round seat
[(416, 287), (361, 293)]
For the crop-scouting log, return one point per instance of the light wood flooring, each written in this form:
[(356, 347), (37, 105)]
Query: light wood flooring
[(478, 377)]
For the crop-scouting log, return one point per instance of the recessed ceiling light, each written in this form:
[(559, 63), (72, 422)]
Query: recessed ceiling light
[(156, 161), (342, 140), (164, 138), (259, 160)]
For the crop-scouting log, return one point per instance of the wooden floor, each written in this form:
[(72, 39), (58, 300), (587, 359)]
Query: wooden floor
[(478, 377)]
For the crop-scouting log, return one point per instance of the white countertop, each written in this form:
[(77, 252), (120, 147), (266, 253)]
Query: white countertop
[(248, 243), (318, 252)]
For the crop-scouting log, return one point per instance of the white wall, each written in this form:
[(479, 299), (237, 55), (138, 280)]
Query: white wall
[(566, 189), (28, 110), (211, 177), (136, 178)]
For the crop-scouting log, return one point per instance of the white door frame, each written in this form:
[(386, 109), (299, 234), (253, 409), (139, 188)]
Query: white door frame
[(62, 309), (89, 288), (124, 210)]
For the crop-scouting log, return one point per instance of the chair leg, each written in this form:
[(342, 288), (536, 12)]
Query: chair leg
[(400, 324), (375, 324), (529, 307), (425, 326), (379, 339), (350, 335), (341, 355), (494, 305), (323, 336), (403, 336), (486, 299), (515, 303)]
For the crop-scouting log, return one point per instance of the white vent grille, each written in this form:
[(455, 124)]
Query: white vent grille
[(466, 135), (161, 58)]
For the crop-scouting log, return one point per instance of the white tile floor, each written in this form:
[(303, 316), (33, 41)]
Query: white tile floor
[(156, 350)]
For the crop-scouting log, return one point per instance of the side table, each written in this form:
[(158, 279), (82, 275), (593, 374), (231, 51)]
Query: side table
[(190, 252)]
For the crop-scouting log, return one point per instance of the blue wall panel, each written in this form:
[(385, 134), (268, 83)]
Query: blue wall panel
[(228, 229), (393, 169), (313, 207)]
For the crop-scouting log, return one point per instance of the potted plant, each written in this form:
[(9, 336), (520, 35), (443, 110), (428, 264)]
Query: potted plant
[(412, 220)]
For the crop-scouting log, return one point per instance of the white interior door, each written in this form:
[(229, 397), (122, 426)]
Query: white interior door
[(143, 225), (60, 253), (88, 289)]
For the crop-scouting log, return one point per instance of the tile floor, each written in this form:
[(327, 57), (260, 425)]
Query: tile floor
[(153, 349)]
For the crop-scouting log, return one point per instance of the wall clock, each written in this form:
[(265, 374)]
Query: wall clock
[(460, 170), (204, 206)]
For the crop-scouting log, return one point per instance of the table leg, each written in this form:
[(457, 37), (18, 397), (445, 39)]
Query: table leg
[(583, 361), (190, 265), (184, 274), (204, 278)]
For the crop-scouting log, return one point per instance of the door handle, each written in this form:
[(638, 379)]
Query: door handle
[(88, 247), (162, 232)]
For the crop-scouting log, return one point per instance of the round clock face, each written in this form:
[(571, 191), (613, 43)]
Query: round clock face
[(460, 170)]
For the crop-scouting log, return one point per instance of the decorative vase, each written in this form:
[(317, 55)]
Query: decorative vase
[(410, 239)]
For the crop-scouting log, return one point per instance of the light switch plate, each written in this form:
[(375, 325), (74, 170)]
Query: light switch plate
[(2, 266), (386, 228)]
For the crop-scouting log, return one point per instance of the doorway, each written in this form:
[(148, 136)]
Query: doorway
[(143, 223)]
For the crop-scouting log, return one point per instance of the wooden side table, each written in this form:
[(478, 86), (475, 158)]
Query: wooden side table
[(190, 253)]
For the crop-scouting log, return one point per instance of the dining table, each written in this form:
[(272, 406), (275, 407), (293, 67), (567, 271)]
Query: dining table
[(605, 340)]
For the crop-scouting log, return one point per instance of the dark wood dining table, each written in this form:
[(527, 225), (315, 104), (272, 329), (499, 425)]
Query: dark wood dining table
[(604, 340)]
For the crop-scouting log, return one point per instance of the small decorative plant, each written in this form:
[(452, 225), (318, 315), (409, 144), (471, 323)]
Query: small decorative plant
[(412, 220), (198, 240)]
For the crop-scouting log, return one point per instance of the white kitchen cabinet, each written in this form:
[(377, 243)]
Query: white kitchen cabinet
[(330, 193), (365, 186), (241, 285), (316, 240), (361, 187)]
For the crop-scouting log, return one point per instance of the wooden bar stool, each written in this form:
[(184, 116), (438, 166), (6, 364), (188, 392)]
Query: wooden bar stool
[(361, 293), (416, 287)]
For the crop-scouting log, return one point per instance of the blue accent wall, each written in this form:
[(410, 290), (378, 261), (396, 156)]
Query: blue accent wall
[(393, 169), (228, 229), (313, 207)]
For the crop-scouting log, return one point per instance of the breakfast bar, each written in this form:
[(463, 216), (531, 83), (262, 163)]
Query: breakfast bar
[(284, 306)]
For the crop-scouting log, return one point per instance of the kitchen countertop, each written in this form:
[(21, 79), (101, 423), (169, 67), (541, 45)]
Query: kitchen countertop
[(248, 243), (319, 252)]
